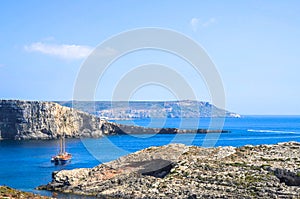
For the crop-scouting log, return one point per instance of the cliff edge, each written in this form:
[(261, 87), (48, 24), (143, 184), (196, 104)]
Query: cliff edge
[(49, 120), (46, 120)]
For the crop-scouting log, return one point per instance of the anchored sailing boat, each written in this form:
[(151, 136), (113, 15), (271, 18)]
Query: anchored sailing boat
[(62, 157)]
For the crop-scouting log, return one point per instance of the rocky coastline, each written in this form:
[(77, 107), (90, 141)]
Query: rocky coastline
[(47, 120), (10, 193), (179, 171)]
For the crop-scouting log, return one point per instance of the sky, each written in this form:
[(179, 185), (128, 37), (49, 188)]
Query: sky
[(253, 44)]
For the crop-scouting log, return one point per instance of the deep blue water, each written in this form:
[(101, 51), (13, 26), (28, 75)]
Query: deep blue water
[(26, 164)]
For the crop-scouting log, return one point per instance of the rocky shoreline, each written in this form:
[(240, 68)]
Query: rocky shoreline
[(179, 171), (10, 193), (24, 120), (119, 129)]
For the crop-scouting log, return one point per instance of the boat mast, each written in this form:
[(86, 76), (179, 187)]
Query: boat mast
[(61, 147), (64, 145)]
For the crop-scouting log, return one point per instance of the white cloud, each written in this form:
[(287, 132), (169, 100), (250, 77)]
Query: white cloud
[(196, 22), (64, 51), (209, 22)]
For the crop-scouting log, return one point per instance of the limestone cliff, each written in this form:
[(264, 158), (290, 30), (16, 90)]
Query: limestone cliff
[(46, 120)]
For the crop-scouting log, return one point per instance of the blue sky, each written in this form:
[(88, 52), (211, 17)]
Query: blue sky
[(254, 45)]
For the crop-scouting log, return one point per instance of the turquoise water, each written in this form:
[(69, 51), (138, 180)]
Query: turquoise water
[(26, 164)]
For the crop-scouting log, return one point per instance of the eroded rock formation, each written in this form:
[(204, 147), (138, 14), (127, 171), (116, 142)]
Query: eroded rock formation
[(179, 171), (46, 120)]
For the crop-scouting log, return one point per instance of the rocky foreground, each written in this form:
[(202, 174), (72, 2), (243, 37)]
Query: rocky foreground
[(179, 171), (9, 193)]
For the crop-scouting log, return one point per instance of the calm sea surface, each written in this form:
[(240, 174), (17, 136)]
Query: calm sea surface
[(26, 164)]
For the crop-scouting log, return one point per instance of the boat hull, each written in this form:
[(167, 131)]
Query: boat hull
[(61, 159), (60, 162)]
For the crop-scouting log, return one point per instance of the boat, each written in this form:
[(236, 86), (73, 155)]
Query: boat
[(62, 157)]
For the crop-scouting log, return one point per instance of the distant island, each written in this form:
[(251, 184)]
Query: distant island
[(149, 109)]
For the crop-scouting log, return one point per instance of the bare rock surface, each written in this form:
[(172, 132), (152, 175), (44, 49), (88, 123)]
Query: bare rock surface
[(10, 193), (179, 171), (46, 120)]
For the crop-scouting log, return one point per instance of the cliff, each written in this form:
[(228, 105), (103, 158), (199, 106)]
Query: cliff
[(179, 171), (46, 120)]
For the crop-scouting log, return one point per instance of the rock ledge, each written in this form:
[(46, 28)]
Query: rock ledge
[(179, 171)]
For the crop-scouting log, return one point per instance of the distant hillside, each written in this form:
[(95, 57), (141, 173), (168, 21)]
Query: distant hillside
[(148, 109)]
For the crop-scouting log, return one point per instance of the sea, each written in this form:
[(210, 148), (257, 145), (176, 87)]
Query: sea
[(25, 165)]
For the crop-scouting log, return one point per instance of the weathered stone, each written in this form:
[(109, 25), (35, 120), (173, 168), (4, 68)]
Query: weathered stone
[(45, 120), (191, 172), (10, 193)]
